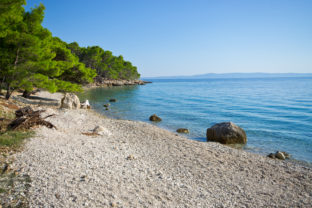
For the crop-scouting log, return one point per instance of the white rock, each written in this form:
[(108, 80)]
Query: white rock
[(85, 104), (70, 101), (101, 131), (280, 155)]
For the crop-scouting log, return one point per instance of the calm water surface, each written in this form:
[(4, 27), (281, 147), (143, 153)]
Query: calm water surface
[(276, 113)]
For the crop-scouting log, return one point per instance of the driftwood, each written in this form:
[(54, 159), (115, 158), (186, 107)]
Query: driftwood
[(26, 118)]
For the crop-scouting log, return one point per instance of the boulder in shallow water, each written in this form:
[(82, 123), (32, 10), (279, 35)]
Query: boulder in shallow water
[(106, 105), (70, 101), (280, 155), (183, 130), (287, 155), (154, 117), (226, 133), (113, 100)]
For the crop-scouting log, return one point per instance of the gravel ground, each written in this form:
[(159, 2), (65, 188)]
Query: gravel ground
[(135, 164)]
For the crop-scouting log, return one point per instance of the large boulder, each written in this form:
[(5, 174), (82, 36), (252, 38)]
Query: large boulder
[(70, 101), (226, 133)]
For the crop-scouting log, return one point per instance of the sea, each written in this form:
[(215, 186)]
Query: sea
[(276, 113)]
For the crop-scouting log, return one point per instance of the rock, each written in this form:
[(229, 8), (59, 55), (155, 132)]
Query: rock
[(118, 83), (106, 105), (130, 157), (85, 105), (106, 108), (101, 131), (271, 155), (113, 100), (287, 155), (226, 133), (58, 196), (280, 155), (70, 101), (154, 117), (183, 130)]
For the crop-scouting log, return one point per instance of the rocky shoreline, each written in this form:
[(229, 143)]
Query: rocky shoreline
[(93, 161), (101, 82)]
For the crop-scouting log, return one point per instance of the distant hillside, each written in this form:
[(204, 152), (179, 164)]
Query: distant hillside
[(235, 75)]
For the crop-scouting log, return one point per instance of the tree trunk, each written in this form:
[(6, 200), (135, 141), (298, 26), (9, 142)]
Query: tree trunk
[(8, 93), (26, 94)]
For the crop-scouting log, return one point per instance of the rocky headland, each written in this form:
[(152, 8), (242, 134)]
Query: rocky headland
[(102, 82)]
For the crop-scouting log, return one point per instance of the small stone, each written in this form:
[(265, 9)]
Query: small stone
[(271, 155), (113, 100), (100, 130), (183, 130), (106, 108), (106, 105), (58, 196), (83, 178), (5, 168), (113, 204), (280, 155), (286, 154), (130, 157)]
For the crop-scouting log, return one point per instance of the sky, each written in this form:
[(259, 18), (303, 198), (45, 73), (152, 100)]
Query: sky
[(188, 37)]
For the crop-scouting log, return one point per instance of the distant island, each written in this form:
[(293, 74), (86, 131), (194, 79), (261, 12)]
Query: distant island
[(234, 75)]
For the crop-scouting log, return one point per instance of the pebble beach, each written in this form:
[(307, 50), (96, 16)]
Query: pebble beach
[(136, 164)]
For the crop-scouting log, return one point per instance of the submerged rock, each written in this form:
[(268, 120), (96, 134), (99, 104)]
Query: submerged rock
[(226, 133), (279, 155), (113, 100), (106, 105), (183, 130), (70, 101), (154, 117)]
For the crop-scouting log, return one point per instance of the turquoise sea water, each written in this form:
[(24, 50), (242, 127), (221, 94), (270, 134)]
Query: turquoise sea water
[(276, 113)]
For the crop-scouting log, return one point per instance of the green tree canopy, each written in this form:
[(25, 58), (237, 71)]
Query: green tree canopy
[(31, 57), (104, 62)]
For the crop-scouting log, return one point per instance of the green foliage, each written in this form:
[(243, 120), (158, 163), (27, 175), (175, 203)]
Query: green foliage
[(67, 66), (31, 57), (105, 64), (14, 138), (11, 12)]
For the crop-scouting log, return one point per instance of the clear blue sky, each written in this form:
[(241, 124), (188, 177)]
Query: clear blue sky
[(186, 37)]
